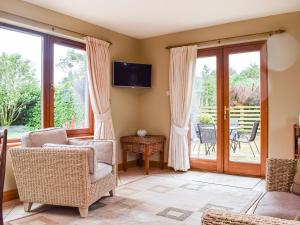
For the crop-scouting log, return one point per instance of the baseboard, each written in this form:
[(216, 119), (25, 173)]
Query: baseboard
[(10, 195)]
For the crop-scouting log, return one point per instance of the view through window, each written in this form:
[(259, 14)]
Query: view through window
[(25, 76), (204, 110), (20, 82), (71, 105)]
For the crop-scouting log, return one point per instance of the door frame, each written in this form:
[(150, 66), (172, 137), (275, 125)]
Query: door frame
[(222, 163)]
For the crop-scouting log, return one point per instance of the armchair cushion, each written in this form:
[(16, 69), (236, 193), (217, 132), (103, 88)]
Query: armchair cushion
[(91, 154), (295, 188), (102, 170), (104, 149), (40, 137), (282, 205)]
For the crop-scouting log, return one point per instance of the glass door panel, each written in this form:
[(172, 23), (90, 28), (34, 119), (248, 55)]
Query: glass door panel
[(244, 107), (71, 102), (203, 130)]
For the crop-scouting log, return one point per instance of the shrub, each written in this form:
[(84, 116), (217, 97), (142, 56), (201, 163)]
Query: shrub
[(205, 118)]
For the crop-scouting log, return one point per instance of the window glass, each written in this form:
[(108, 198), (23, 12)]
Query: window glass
[(71, 102), (20, 82)]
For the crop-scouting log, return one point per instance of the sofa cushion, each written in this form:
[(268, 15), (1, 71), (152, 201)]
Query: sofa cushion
[(282, 205), (102, 170), (104, 149), (40, 137), (295, 188), (91, 153)]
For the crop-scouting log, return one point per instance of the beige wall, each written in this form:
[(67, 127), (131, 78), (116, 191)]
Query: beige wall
[(124, 102), (149, 108), (284, 76)]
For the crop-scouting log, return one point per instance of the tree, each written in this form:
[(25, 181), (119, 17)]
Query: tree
[(244, 86), (17, 81), (69, 95)]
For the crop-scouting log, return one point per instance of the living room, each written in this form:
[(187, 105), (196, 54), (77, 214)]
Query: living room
[(209, 133)]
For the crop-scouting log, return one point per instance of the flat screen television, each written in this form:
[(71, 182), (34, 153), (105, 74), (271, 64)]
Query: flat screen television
[(131, 75)]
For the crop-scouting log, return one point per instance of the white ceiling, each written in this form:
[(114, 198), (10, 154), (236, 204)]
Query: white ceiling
[(147, 18)]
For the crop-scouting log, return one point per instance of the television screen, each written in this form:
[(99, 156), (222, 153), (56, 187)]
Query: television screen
[(131, 74)]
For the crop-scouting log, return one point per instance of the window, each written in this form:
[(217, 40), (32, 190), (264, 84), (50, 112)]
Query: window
[(43, 83)]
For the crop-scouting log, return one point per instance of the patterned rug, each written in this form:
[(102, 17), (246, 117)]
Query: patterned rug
[(173, 199)]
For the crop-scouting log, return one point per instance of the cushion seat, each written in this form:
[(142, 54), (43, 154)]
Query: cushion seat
[(102, 170), (282, 205)]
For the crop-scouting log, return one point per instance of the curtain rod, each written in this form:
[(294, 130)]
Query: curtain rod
[(270, 33), (52, 27)]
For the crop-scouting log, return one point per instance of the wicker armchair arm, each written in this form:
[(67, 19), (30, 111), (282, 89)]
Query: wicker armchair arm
[(280, 174), (220, 217), (51, 175)]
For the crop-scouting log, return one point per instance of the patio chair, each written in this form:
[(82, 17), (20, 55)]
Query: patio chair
[(207, 136), (250, 138), (198, 136), (234, 134)]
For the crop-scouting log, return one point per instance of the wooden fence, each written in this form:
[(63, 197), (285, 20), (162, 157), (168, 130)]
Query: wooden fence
[(246, 115)]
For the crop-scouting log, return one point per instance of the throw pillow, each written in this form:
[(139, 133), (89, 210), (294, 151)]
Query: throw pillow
[(104, 150)]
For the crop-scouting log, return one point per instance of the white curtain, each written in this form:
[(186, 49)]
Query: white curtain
[(99, 87), (181, 79)]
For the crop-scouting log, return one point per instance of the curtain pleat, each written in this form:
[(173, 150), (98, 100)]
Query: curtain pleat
[(99, 87)]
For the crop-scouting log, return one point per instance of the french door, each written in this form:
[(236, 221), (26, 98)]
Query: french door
[(229, 124)]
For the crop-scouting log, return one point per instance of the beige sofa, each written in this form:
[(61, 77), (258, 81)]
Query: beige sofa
[(51, 169), (277, 206)]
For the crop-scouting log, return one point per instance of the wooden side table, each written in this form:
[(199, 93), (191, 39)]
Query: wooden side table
[(146, 146)]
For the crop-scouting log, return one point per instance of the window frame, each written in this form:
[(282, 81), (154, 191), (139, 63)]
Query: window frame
[(47, 78)]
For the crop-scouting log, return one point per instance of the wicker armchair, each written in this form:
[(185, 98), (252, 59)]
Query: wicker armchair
[(280, 174), (61, 175)]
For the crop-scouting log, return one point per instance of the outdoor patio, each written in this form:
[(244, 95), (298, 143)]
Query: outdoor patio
[(242, 154)]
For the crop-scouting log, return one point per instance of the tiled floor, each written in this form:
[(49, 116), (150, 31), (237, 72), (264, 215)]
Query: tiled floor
[(14, 209)]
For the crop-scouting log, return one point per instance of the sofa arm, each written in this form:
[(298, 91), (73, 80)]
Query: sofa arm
[(220, 217), (52, 175), (105, 149), (280, 174)]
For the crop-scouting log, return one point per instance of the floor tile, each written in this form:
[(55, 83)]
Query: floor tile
[(160, 189), (213, 206), (261, 186), (175, 213), (193, 187), (229, 180)]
